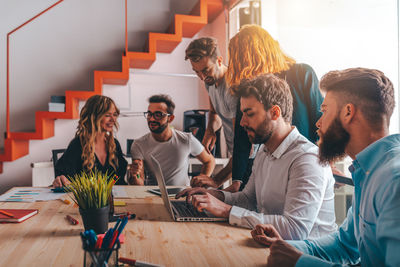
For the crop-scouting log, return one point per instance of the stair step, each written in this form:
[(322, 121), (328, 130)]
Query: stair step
[(17, 145), (14, 149)]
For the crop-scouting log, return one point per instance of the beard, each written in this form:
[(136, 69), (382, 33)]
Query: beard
[(209, 80), (261, 135), (332, 143), (159, 129)]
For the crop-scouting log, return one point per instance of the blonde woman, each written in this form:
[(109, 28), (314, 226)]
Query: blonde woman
[(94, 145)]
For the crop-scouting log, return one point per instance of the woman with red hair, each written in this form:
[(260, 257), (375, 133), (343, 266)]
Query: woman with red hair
[(252, 51)]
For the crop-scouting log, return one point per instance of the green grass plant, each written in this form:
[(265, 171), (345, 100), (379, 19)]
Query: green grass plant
[(91, 190)]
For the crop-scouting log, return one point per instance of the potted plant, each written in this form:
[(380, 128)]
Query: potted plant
[(92, 193)]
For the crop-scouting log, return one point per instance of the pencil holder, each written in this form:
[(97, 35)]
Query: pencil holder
[(101, 257)]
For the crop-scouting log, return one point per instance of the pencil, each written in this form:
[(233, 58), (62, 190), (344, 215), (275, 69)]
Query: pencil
[(6, 213)]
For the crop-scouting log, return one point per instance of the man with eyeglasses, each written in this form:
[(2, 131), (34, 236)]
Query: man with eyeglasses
[(170, 147)]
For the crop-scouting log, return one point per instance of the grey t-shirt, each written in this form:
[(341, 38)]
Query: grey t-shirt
[(173, 156), (225, 105)]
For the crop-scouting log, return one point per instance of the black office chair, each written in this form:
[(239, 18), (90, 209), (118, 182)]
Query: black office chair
[(57, 153), (195, 121), (128, 147)]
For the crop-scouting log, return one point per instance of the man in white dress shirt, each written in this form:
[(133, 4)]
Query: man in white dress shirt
[(288, 188)]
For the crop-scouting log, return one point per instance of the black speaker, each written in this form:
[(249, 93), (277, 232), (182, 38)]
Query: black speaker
[(195, 121), (250, 14)]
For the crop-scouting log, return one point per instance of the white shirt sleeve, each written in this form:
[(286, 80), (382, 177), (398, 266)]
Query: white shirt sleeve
[(247, 201), (195, 146), (305, 192)]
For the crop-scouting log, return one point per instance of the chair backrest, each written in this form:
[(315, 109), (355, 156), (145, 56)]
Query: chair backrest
[(56, 154), (195, 121), (128, 147)]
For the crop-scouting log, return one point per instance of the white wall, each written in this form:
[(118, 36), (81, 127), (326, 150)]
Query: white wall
[(187, 92), (338, 34), (59, 50), (184, 90)]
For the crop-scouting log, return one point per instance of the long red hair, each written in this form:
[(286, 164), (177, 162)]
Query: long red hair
[(252, 51)]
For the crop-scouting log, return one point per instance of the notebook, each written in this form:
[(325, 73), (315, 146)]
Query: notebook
[(19, 215), (179, 210)]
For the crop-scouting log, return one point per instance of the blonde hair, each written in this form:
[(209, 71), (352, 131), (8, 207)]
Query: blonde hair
[(252, 51), (89, 126)]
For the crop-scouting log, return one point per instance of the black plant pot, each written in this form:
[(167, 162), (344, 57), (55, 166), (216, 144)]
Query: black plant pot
[(96, 219)]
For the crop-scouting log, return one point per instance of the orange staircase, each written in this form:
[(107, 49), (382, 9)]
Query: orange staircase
[(16, 144)]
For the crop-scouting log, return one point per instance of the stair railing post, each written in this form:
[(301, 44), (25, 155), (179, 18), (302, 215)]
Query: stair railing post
[(126, 27)]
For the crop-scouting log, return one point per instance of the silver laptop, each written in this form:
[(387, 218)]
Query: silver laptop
[(180, 210)]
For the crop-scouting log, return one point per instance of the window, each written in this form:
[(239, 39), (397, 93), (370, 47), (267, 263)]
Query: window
[(338, 34)]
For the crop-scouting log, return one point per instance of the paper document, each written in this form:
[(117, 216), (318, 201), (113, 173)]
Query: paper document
[(30, 194), (119, 191)]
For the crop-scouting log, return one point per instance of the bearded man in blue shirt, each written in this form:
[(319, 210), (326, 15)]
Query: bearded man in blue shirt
[(356, 114)]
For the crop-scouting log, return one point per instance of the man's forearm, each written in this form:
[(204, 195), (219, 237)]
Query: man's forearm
[(214, 122), (217, 193), (208, 168), (224, 174)]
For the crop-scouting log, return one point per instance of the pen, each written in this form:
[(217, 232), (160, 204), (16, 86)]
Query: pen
[(137, 263), (72, 220), (87, 245), (114, 239), (7, 213), (120, 228)]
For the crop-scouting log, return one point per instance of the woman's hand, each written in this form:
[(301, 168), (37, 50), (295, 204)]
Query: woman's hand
[(61, 181)]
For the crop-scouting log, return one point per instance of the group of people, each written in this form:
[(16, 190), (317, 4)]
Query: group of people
[(273, 113)]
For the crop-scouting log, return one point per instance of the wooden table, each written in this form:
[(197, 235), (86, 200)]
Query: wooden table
[(48, 239)]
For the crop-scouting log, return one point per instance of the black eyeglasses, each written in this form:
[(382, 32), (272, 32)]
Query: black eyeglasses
[(158, 115)]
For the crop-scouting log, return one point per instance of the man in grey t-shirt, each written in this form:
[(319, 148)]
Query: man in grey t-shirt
[(206, 61), (170, 147)]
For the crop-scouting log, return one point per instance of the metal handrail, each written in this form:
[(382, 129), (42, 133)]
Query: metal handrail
[(7, 135)]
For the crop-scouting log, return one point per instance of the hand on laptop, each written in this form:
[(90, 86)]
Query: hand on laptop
[(61, 181), (203, 180), (209, 200)]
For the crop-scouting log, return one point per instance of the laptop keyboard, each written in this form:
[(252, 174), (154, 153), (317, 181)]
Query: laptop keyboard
[(187, 210)]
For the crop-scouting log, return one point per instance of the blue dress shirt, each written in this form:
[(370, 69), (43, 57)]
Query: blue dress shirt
[(371, 232)]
